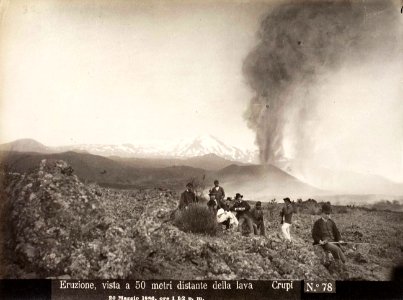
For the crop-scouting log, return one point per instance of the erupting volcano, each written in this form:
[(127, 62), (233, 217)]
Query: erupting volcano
[(301, 46)]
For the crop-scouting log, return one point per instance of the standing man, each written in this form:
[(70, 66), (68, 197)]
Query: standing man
[(219, 193), (187, 197), (257, 218), (242, 209), (325, 233), (286, 216)]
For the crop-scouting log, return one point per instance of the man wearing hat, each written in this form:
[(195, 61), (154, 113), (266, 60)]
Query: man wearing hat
[(187, 197), (242, 209), (212, 203), (228, 204), (219, 194), (257, 218), (286, 216), (325, 233)]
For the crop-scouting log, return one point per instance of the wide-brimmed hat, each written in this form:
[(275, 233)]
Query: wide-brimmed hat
[(287, 200), (238, 195), (326, 208)]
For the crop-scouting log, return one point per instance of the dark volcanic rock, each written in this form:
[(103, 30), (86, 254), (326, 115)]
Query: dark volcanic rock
[(50, 213), (64, 228)]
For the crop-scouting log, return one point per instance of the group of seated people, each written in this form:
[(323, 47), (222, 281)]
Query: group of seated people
[(233, 213)]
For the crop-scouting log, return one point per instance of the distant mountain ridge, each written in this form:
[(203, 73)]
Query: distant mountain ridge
[(251, 180), (199, 146), (26, 145), (257, 179), (210, 162), (104, 171), (264, 182)]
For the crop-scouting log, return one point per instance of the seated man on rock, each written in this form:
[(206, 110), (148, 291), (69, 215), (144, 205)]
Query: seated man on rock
[(326, 234)]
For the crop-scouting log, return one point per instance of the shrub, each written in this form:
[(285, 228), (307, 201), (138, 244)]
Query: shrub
[(342, 210), (197, 218), (314, 211), (295, 208)]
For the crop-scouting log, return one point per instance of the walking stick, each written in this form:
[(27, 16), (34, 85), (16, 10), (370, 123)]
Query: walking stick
[(347, 243)]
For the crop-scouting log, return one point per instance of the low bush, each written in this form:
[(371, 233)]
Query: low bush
[(196, 218), (342, 210), (313, 210)]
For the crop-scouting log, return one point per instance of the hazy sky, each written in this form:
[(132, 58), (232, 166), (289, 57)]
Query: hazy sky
[(119, 71), (75, 72)]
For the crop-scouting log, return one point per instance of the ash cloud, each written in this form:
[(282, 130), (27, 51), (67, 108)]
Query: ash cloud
[(299, 43)]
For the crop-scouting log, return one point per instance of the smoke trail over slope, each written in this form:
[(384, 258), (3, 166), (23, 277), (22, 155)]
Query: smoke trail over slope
[(300, 45)]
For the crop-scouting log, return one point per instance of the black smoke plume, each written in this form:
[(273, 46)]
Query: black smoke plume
[(297, 43)]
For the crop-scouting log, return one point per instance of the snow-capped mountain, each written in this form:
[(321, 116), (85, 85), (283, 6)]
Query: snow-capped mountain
[(207, 144), (201, 145), (122, 150)]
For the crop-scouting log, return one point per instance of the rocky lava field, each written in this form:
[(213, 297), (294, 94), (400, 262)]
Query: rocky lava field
[(55, 226)]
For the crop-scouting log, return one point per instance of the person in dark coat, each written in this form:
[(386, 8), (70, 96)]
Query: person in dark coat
[(257, 217), (219, 194), (286, 216), (187, 197), (212, 203), (242, 208), (325, 231), (228, 204)]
